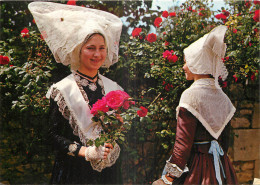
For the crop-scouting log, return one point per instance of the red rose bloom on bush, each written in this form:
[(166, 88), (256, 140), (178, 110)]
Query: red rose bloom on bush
[(234, 30), (25, 33), (71, 2), (220, 16), (4, 60), (157, 22), (142, 112), (173, 58), (151, 37), (256, 16), (100, 105), (226, 13), (256, 2), (190, 8), (165, 14), (172, 14), (136, 32)]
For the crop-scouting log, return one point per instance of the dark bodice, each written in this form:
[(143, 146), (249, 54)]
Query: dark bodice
[(74, 169)]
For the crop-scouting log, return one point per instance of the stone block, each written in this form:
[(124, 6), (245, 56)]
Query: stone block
[(246, 112), (248, 166), (246, 176), (246, 104), (240, 123), (246, 145), (256, 116)]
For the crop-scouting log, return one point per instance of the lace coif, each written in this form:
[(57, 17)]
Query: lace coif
[(65, 27), (204, 55)]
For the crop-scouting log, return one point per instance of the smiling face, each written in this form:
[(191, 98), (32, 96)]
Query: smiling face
[(93, 54), (188, 74)]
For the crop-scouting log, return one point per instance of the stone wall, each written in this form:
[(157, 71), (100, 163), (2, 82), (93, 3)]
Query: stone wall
[(245, 146)]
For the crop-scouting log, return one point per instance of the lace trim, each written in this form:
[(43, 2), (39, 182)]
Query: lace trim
[(63, 108), (174, 170), (99, 165)]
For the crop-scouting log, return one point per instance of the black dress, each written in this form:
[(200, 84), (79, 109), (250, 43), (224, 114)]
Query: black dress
[(70, 169)]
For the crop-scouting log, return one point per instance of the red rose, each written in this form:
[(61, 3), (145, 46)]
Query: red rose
[(142, 112), (172, 14), (71, 2), (157, 22), (165, 14), (220, 16), (100, 105), (234, 76), (224, 84), (136, 32), (190, 8), (151, 37), (168, 87), (166, 43), (173, 58), (255, 30), (227, 58), (194, 10), (253, 77), (234, 30), (226, 13), (4, 60), (256, 2), (201, 14), (166, 54), (25, 33), (256, 16)]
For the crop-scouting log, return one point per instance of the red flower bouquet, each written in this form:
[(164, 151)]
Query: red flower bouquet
[(115, 113)]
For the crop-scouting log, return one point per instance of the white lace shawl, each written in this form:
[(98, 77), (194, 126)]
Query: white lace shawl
[(74, 108), (209, 104)]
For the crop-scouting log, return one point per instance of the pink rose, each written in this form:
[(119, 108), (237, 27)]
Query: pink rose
[(116, 99), (100, 105), (142, 112)]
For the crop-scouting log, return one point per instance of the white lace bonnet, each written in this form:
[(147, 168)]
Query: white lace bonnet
[(204, 55), (65, 28)]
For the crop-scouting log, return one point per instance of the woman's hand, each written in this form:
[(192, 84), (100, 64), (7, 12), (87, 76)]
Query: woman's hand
[(95, 153)]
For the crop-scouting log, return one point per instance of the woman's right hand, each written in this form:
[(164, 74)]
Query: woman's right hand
[(95, 153)]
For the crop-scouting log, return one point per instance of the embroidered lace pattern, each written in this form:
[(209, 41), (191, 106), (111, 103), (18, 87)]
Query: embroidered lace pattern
[(174, 170), (99, 165), (215, 112)]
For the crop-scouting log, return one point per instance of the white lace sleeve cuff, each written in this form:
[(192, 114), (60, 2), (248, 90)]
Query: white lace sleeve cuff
[(99, 165), (174, 170)]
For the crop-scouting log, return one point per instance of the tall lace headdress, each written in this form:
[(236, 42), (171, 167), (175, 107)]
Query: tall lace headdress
[(204, 98), (65, 27)]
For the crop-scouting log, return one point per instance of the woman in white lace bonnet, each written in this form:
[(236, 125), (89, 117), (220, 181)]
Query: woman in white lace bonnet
[(86, 39), (203, 115)]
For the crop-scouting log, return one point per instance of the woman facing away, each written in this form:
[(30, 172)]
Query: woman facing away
[(85, 39), (203, 115)]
